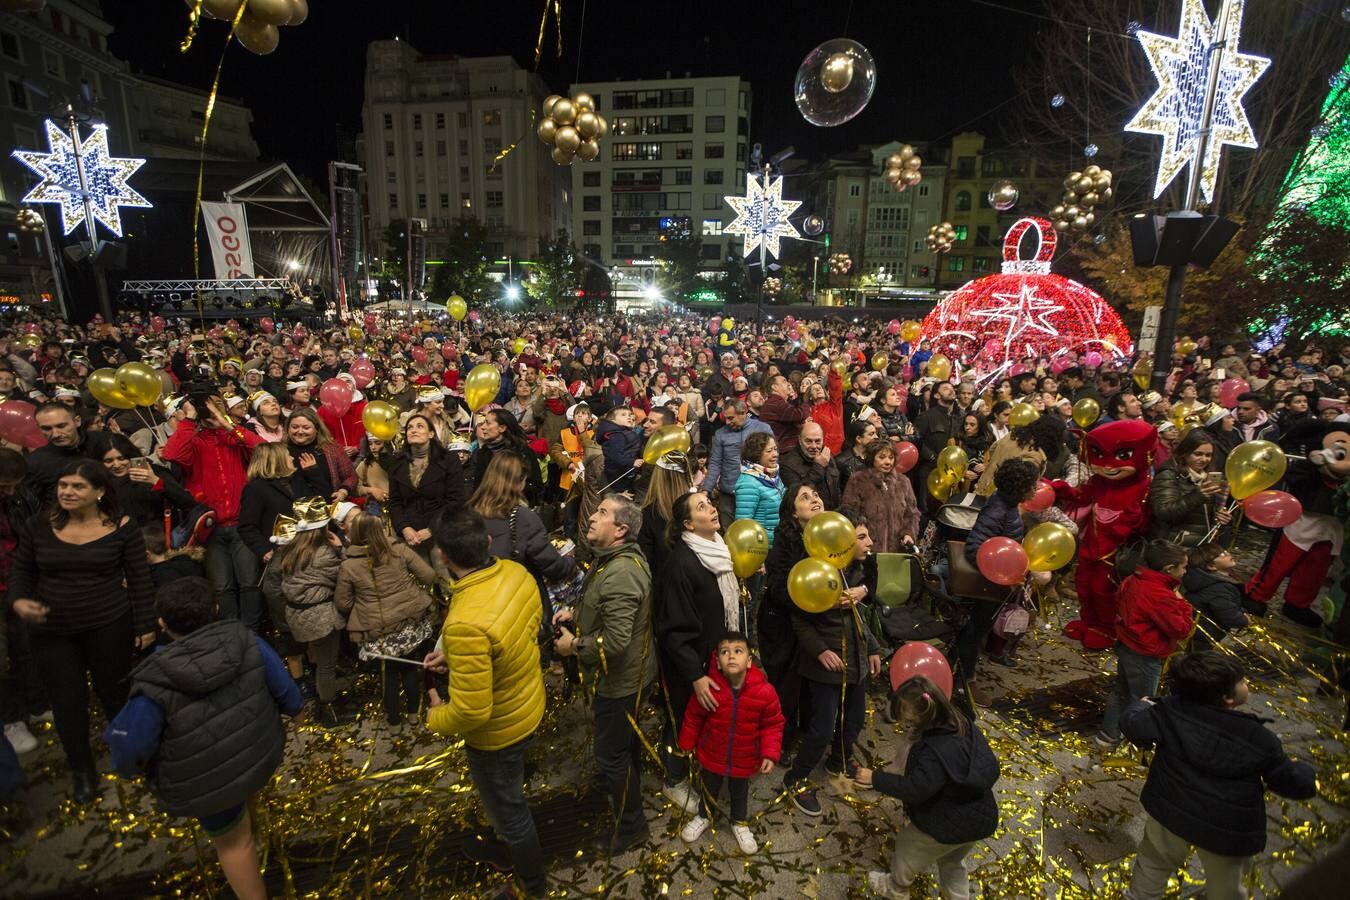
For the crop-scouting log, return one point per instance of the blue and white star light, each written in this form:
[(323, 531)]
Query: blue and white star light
[(762, 216), (105, 178), (1176, 110)]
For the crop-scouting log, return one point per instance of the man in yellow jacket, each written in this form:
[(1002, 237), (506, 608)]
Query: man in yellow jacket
[(496, 697)]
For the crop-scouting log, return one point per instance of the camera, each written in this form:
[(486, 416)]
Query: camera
[(198, 391)]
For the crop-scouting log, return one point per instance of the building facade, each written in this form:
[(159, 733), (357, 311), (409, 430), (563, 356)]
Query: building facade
[(675, 148), (167, 119), (433, 127)]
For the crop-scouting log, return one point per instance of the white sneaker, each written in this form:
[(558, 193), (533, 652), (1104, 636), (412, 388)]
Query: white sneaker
[(681, 796), (746, 838), (20, 738), (880, 884), (693, 829)]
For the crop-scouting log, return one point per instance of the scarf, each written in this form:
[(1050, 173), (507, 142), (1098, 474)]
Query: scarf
[(755, 470), (716, 558), (556, 405), (418, 457)]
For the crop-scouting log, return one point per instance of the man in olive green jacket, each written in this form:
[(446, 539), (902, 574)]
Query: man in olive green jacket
[(613, 643)]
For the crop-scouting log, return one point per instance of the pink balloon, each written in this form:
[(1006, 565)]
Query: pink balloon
[(336, 396), (18, 426), (893, 326), (1002, 560), (1019, 369), (789, 321), (921, 658), (215, 332), (363, 370), (794, 334), (1273, 509), (474, 316), (1044, 499), (906, 456), (266, 324), (1093, 359), (300, 333), (1059, 364), (418, 354), (1230, 390)]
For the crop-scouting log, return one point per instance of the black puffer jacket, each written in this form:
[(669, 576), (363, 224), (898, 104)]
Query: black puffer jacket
[(1218, 600), (999, 517), (948, 785), (1181, 513), (1209, 776)]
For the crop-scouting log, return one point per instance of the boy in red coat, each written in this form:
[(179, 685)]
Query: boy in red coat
[(742, 735), (1152, 622)]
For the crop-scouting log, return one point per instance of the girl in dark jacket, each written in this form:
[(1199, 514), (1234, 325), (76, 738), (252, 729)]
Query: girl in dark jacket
[(422, 481), (142, 490), (1185, 500), (946, 786)]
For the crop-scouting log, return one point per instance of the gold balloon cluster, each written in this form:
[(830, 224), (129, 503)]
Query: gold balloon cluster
[(30, 221), (903, 168), (572, 127), (1082, 192), (952, 464), (940, 237), (814, 584), (840, 263), (126, 387), (773, 286), (258, 29)]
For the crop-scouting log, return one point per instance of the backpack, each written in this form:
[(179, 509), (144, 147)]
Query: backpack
[(194, 528)]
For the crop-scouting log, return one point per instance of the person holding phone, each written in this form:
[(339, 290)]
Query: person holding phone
[(1187, 500), (143, 491)]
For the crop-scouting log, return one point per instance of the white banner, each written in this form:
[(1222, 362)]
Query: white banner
[(227, 233)]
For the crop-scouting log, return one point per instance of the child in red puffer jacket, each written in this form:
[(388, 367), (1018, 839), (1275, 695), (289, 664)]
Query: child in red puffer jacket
[(741, 736), (1153, 620)]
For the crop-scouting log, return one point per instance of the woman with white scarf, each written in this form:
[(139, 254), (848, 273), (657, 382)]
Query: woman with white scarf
[(698, 602)]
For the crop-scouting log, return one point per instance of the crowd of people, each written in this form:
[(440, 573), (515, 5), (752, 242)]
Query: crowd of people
[(210, 561)]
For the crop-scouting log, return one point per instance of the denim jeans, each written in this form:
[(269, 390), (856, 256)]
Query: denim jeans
[(1136, 677), (824, 708), (499, 778), (618, 761), (235, 571)]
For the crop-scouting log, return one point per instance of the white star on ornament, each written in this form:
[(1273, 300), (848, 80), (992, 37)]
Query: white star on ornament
[(762, 216), (1181, 65), (105, 179), (1023, 311)]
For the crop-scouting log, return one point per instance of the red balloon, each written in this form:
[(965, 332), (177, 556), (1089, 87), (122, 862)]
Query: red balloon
[(920, 658), (418, 354), (336, 396), (18, 426), (267, 324), (1002, 560), (363, 370), (300, 333), (1230, 390), (1273, 509), (449, 351), (906, 456), (1044, 499)]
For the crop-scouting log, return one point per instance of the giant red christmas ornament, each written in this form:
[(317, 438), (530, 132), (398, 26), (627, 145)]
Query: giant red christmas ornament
[(997, 321)]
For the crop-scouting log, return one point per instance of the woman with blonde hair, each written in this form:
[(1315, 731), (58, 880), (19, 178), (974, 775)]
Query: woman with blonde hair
[(672, 478), (382, 590), (322, 467), (269, 494)]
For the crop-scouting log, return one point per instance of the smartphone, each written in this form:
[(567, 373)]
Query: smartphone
[(140, 462)]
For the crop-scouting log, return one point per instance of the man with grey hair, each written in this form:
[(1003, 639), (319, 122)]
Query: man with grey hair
[(613, 643), (724, 457)]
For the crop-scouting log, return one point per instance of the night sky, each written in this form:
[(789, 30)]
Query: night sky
[(941, 66)]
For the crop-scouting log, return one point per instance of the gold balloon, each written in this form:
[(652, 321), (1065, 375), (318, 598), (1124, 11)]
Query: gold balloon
[(587, 124), (953, 462), (666, 439), (518, 345), (30, 341), (564, 111), (1049, 546), (748, 544), (910, 330), (1252, 467), (354, 332), (380, 419), (567, 139), (1186, 346), (562, 157), (549, 102), (456, 307), (879, 361), (547, 130), (1143, 373), (604, 126), (815, 585), (139, 382), (836, 74), (895, 161), (941, 486), (272, 12), (299, 12), (830, 537), (102, 383), (588, 151), (939, 367), (257, 37), (481, 387), (584, 102), (1090, 198), (1086, 411), (840, 366), (219, 9), (1093, 170), (914, 163), (1022, 414), (1084, 185)]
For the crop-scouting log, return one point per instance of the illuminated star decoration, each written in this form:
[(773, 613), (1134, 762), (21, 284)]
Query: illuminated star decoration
[(1181, 65), (762, 216), (1022, 309), (105, 178)]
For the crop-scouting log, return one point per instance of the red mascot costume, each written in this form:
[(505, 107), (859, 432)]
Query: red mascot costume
[(1120, 455), (1305, 550)]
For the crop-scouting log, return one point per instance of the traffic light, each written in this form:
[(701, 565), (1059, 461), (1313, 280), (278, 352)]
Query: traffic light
[(827, 240)]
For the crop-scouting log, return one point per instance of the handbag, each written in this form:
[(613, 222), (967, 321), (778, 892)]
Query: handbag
[(1013, 618), (967, 580)]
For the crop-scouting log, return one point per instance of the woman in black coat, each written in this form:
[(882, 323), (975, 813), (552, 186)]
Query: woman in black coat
[(268, 494), (143, 490), (1185, 500), (499, 432), (777, 640), (423, 480)]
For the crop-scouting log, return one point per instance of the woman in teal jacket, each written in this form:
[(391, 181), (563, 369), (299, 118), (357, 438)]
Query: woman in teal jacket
[(759, 490)]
